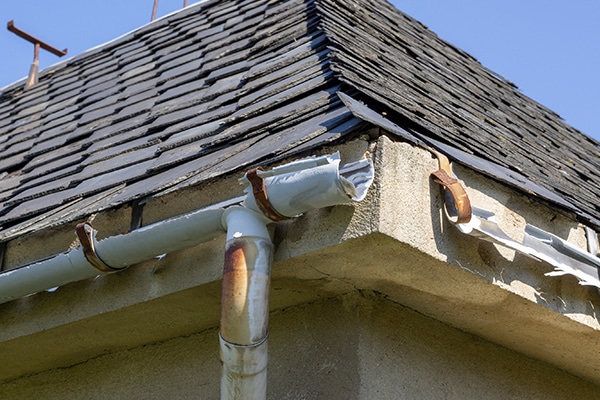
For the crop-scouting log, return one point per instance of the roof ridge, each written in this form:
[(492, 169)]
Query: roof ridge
[(106, 45)]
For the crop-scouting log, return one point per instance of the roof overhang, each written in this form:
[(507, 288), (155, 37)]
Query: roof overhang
[(396, 243)]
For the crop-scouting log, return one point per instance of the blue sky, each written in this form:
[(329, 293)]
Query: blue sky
[(549, 48)]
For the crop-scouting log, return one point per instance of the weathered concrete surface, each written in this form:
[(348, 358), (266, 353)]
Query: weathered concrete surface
[(477, 286), (394, 243), (356, 346)]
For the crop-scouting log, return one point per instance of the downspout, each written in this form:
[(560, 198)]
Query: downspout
[(245, 305), (281, 193)]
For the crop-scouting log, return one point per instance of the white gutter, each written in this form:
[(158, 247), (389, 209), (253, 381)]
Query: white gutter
[(281, 193), (116, 253), (540, 245)]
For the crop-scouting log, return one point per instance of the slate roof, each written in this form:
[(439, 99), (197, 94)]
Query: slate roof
[(222, 85)]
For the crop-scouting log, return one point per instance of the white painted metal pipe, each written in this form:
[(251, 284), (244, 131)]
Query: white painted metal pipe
[(117, 252), (288, 190), (163, 237), (245, 305), (44, 275)]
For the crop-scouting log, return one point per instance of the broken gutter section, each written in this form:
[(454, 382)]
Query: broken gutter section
[(538, 244), (566, 258), (321, 183)]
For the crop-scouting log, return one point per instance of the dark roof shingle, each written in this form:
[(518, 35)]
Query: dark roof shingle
[(222, 85)]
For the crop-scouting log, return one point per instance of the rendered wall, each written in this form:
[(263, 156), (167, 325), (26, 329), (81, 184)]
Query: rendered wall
[(355, 346)]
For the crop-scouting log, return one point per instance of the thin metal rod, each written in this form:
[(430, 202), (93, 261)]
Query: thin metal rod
[(32, 79), (36, 51), (32, 39), (154, 10)]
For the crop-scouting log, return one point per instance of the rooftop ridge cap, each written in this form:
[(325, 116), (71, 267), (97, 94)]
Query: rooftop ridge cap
[(157, 20)]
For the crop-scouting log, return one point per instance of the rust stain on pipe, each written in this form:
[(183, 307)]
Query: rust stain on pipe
[(245, 291), (235, 280)]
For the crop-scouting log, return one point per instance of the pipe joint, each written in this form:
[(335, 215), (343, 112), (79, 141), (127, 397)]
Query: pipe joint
[(244, 360), (242, 222)]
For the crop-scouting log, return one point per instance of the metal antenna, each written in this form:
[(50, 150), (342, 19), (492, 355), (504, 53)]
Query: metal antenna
[(185, 3), (37, 43), (154, 10)]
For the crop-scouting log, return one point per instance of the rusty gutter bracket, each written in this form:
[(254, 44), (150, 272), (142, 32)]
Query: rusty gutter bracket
[(87, 237), (262, 199), (37, 44)]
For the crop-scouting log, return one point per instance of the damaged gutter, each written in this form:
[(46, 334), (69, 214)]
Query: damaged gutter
[(281, 193), (540, 245), (537, 244)]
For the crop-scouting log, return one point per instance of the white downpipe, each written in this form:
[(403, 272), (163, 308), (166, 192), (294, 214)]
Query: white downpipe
[(290, 190), (245, 305)]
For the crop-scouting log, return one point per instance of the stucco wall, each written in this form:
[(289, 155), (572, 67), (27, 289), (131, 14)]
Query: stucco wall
[(355, 346)]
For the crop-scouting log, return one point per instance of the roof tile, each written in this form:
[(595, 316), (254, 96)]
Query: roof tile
[(102, 141), (45, 157), (12, 163), (193, 65), (222, 85), (117, 162), (109, 180), (124, 143), (53, 186)]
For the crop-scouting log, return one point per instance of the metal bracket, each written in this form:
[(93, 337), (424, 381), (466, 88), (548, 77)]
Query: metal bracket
[(2, 254), (87, 237), (137, 212), (457, 205), (261, 197)]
